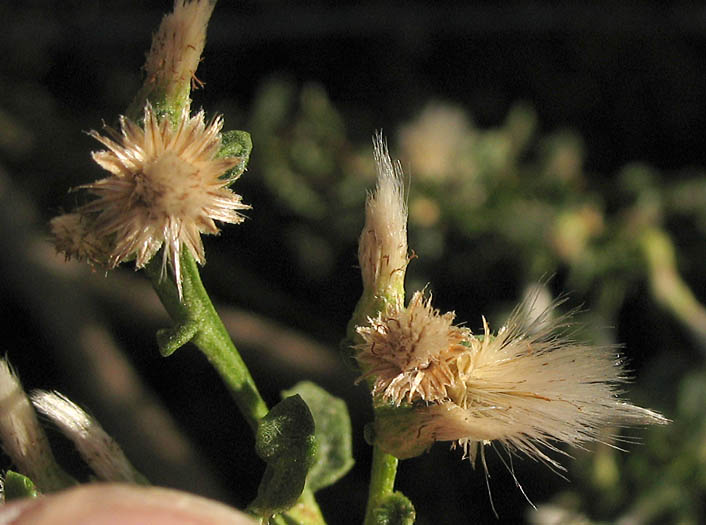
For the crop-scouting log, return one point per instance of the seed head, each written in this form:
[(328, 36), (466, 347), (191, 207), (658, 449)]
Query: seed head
[(527, 388), (177, 46), (382, 248), (75, 238), (166, 188), (532, 385), (410, 352)]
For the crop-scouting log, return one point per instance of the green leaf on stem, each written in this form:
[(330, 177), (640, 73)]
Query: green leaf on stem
[(394, 509), (170, 340), (285, 440), (334, 456), (17, 486), (236, 144)]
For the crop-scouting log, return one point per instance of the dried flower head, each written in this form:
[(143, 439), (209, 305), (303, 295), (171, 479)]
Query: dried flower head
[(98, 449), (22, 437), (532, 385), (177, 46), (166, 188), (435, 142), (382, 248), (75, 238), (527, 388), (410, 352)]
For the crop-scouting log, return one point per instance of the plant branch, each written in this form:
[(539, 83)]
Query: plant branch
[(197, 321), (382, 482)]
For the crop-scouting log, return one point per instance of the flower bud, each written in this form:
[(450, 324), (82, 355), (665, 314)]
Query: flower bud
[(382, 248)]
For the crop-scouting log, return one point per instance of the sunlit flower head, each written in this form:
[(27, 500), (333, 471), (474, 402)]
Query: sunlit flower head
[(527, 388), (177, 46), (166, 188), (22, 438), (410, 352), (382, 248), (96, 447)]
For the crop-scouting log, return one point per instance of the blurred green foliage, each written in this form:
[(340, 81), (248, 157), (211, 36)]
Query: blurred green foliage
[(506, 188)]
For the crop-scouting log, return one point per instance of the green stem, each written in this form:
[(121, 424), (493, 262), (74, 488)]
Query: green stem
[(197, 321), (382, 481), (384, 468), (196, 317), (667, 285)]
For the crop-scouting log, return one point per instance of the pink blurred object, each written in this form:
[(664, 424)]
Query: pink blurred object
[(117, 504)]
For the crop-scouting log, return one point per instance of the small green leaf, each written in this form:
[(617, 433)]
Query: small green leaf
[(170, 340), (285, 440), (17, 486), (236, 144), (334, 457), (394, 509)]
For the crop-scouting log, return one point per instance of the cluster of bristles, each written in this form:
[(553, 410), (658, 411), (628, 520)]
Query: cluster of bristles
[(412, 353)]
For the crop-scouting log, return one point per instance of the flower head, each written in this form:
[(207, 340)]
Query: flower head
[(166, 188), (382, 248), (75, 238), (98, 449), (410, 351), (177, 45), (528, 387), (532, 386)]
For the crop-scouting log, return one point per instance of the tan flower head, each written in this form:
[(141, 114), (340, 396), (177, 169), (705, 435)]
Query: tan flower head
[(74, 237), (382, 248), (177, 46), (529, 388), (410, 352), (532, 385), (166, 187), (96, 447), (22, 438)]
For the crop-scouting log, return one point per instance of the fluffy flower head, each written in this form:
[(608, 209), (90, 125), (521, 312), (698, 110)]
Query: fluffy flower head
[(382, 248), (531, 385), (527, 388), (176, 47), (166, 188), (98, 449), (410, 351), (75, 238)]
